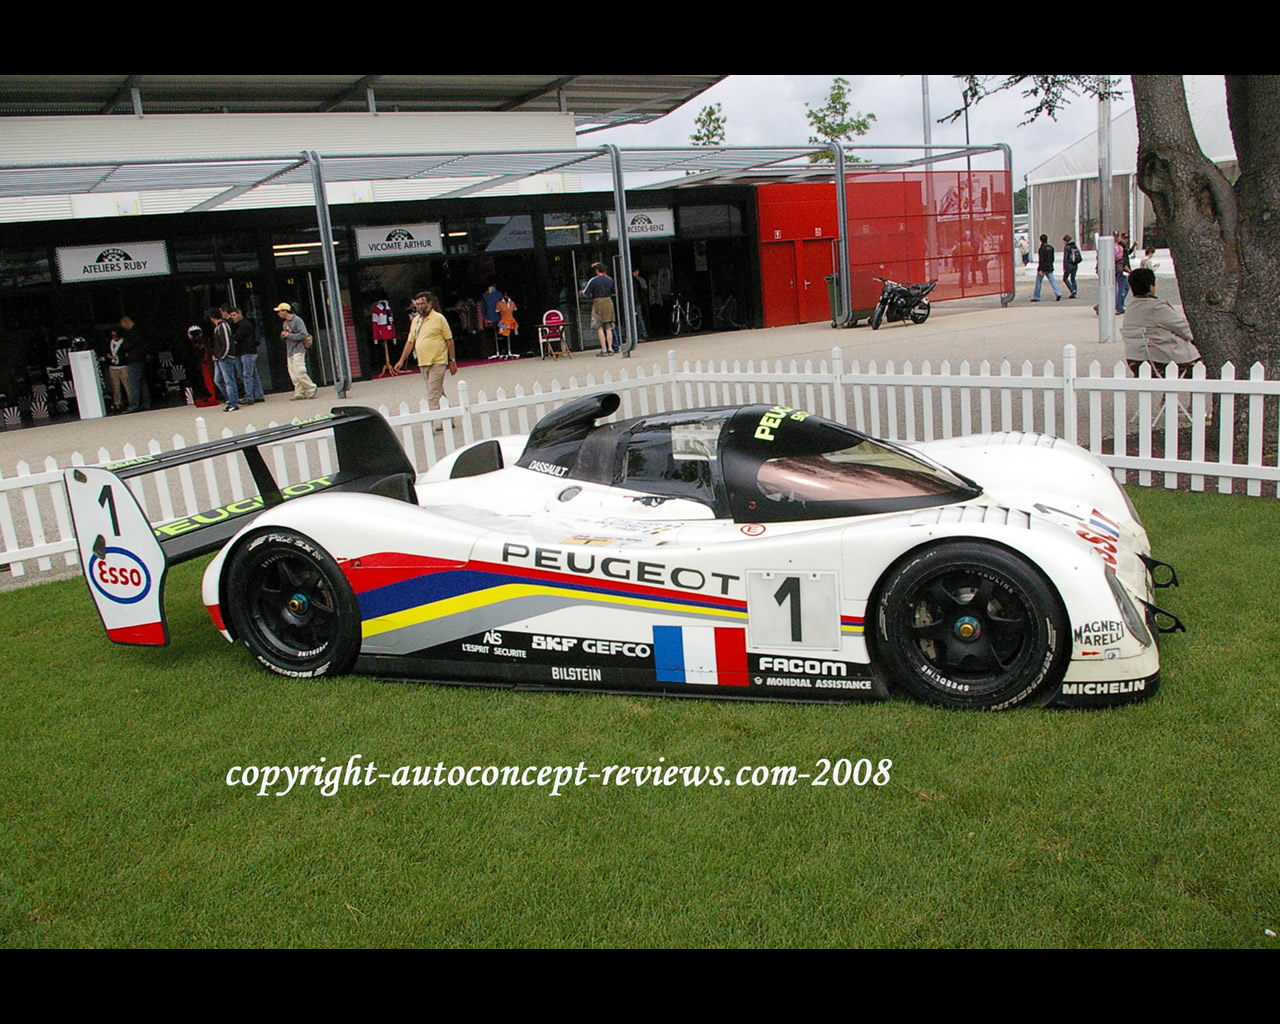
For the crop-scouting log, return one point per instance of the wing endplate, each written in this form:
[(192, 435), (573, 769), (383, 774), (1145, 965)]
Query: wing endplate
[(125, 557), (124, 566)]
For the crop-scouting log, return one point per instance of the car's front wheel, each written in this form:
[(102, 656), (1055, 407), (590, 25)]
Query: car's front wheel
[(292, 606), (971, 625)]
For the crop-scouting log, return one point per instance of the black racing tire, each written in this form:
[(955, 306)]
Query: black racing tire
[(921, 312), (971, 625), (291, 605), (877, 317), (695, 317)]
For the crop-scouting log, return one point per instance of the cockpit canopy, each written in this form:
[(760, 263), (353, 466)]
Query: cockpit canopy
[(754, 464)]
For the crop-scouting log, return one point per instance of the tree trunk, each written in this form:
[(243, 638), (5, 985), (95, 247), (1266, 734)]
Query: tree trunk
[(1223, 238)]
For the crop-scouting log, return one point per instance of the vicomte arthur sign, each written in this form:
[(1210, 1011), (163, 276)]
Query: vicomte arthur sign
[(645, 224), (116, 260), (398, 240)]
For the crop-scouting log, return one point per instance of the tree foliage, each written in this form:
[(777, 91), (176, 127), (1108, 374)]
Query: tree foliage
[(1223, 235), (709, 126), (833, 122), (1048, 93)]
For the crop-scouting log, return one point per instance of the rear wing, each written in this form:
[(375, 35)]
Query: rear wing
[(125, 557)]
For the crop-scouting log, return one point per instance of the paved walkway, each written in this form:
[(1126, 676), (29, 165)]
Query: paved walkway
[(972, 329)]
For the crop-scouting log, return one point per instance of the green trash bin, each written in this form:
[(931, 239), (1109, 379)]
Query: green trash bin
[(833, 296)]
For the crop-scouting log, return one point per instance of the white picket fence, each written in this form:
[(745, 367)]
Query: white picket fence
[(904, 404)]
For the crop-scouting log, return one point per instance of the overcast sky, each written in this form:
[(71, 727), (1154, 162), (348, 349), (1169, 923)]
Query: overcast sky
[(769, 110)]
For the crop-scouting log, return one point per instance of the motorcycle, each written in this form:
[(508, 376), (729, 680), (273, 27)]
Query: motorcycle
[(902, 302)]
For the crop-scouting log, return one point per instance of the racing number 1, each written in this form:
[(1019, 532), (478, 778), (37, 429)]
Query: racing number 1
[(108, 501), (793, 609), (790, 591)]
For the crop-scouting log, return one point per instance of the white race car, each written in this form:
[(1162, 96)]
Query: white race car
[(751, 552)]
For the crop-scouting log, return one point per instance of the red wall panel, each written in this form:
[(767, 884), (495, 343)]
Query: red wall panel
[(952, 227)]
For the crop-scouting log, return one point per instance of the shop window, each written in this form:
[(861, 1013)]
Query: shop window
[(215, 254), (488, 234), (717, 221), (195, 255), (568, 229), (301, 247), (21, 268), (238, 253)]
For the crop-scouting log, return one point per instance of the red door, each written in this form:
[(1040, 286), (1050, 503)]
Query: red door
[(778, 283), (818, 263), (794, 279)]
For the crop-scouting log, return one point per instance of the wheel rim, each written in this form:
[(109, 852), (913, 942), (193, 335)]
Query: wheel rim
[(292, 607), (970, 627)]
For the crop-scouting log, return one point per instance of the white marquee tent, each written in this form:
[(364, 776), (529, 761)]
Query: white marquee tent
[(1063, 191)]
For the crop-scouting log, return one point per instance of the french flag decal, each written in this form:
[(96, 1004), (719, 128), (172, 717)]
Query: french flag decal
[(1102, 524), (708, 655)]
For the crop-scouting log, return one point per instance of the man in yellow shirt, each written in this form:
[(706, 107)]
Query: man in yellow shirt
[(431, 341)]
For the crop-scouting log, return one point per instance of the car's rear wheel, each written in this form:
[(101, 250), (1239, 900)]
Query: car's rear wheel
[(971, 625), (291, 605)]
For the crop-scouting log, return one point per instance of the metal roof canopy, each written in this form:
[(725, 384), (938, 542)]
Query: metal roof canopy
[(596, 101), (761, 173), (237, 176)]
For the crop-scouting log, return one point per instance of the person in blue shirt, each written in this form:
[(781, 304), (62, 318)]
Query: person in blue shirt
[(600, 290), (489, 302)]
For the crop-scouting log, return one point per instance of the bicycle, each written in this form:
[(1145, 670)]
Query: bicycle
[(726, 314), (686, 314)]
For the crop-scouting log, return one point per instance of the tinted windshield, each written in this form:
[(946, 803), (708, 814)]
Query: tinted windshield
[(865, 471), (782, 464)]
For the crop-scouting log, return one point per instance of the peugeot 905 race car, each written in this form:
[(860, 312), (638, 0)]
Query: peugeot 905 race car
[(755, 552)]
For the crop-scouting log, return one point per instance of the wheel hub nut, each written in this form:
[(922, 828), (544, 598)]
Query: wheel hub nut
[(968, 628)]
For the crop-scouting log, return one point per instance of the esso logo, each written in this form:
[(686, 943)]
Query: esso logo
[(120, 577), (1102, 545), (753, 529)]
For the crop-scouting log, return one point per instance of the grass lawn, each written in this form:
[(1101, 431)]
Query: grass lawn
[(1154, 825)]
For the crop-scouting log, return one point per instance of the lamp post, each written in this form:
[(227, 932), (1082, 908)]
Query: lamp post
[(1106, 242)]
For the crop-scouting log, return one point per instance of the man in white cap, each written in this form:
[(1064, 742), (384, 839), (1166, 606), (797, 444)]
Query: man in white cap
[(295, 335)]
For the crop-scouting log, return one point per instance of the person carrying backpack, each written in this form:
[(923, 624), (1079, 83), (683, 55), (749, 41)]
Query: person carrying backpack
[(1071, 258)]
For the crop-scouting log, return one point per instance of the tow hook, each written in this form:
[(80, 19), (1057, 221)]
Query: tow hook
[(1159, 578), (1155, 615)]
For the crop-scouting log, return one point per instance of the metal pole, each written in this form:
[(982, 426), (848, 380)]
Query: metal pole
[(1106, 242), (337, 325), (930, 203), (624, 251), (924, 103), (844, 276), (1012, 293)]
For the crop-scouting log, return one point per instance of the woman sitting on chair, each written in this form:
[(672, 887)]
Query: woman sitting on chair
[(1154, 331)]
